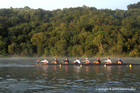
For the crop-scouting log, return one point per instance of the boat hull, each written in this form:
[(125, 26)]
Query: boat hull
[(92, 64)]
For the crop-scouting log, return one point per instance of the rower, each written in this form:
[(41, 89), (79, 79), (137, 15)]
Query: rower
[(98, 61), (37, 62), (120, 61), (45, 61), (55, 61), (66, 61), (86, 61), (77, 61), (108, 61)]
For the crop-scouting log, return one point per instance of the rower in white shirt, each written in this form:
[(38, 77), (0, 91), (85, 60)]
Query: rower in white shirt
[(77, 61), (45, 61), (108, 61)]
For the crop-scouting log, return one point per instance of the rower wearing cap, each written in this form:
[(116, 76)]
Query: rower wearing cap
[(86, 61), (98, 61)]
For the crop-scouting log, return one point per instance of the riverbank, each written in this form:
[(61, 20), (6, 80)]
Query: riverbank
[(100, 56)]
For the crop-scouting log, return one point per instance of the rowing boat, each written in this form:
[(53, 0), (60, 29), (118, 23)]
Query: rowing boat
[(92, 64)]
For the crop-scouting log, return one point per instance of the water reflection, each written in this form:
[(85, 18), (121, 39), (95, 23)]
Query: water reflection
[(119, 71), (114, 72), (87, 69), (77, 71), (108, 73), (66, 68), (55, 70), (45, 71), (97, 69)]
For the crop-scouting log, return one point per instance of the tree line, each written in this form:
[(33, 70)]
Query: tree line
[(80, 31)]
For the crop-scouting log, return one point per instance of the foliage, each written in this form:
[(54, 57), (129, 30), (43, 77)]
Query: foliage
[(132, 6), (80, 31)]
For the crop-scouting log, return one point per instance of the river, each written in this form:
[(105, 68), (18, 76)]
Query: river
[(21, 75)]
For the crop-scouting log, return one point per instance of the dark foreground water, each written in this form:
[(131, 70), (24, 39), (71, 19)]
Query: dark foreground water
[(20, 75)]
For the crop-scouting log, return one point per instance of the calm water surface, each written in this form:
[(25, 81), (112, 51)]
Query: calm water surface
[(20, 75)]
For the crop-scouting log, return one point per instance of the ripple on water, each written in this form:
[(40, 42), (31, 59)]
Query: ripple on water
[(113, 82), (11, 80), (61, 81), (1, 78), (21, 86), (80, 80), (7, 75), (16, 65), (100, 74), (40, 81), (125, 80)]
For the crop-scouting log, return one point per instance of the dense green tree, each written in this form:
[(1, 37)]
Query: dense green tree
[(99, 41), (80, 31), (61, 48), (132, 6), (2, 47), (39, 40), (12, 49)]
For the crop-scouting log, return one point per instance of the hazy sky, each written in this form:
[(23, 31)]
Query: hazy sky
[(60, 4)]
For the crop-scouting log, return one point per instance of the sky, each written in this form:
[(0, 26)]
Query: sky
[(60, 4)]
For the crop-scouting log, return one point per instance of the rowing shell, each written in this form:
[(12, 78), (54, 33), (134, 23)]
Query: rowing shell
[(93, 64)]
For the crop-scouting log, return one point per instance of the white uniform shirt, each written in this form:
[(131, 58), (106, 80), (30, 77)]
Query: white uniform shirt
[(108, 61), (78, 61), (46, 61)]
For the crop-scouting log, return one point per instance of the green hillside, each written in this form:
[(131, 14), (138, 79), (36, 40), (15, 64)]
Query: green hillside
[(81, 31)]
